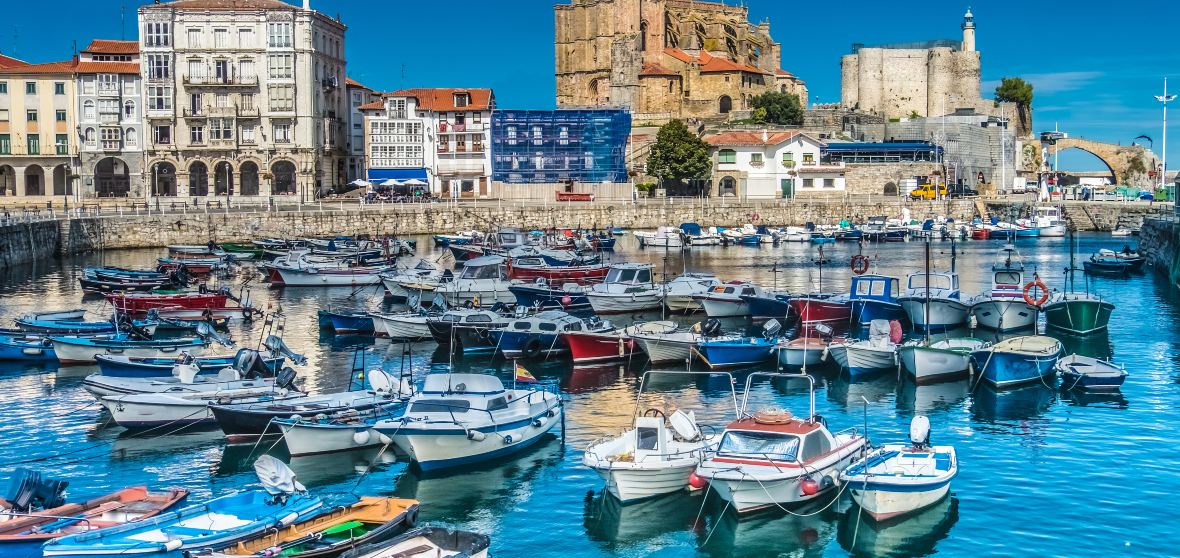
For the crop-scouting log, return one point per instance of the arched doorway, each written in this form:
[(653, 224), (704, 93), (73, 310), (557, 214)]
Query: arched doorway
[(7, 181), (34, 181), (163, 179), (284, 178), (223, 179), (642, 36), (198, 179), (112, 179), (727, 187), (249, 179), (61, 181), (725, 104)]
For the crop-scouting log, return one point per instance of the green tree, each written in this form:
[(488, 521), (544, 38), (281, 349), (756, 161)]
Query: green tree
[(781, 108), (1014, 90), (678, 154)]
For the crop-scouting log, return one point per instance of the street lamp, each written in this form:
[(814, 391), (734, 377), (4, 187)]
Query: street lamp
[(1165, 99)]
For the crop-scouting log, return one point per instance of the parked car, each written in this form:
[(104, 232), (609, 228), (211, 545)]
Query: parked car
[(961, 191), (928, 192)]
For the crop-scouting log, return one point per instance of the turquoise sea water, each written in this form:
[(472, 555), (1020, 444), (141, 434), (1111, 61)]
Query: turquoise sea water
[(1044, 472)]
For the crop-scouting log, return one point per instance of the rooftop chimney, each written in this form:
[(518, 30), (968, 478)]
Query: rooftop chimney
[(307, 5)]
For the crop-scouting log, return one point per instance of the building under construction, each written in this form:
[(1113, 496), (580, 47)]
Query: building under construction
[(560, 146)]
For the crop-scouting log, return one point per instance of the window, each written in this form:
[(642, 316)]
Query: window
[(30, 88), (194, 38), (563, 135), (815, 445), (440, 406), (108, 84), (808, 158), (247, 101), (808, 182), (159, 98), (245, 38), (282, 98), (278, 35), (727, 156), (196, 134), (221, 129), (221, 70), (108, 111), (755, 158), (59, 88), (788, 159), (194, 104), (829, 183), (4, 87), (246, 68), (159, 66), (162, 135), (461, 99), (59, 116), (90, 138), (221, 100), (128, 110), (476, 116), (129, 87), (647, 439), (5, 144), (247, 135), (282, 133), (157, 34), (221, 38), (280, 66), (34, 145), (196, 70), (31, 115), (110, 138), (130, 137), (4, 115)]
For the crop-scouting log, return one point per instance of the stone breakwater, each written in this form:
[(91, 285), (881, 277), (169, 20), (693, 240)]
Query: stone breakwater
[(25, 242), (1159, 241)]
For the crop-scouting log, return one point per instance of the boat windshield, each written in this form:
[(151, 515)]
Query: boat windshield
[(767, 445), (481, 272), (1007, 278), (936, 281), (440, 406)]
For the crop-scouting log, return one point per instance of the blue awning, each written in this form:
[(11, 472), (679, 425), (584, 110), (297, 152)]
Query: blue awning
[(397, 174)]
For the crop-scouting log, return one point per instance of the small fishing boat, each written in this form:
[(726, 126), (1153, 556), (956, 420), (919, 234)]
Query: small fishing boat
[(1048, 220), (524, 269), (246, 422), (459, 419), (72, 350), (938, 360), (875, 355), (898, 479), (728, 299), (20, 346), (1078, 312), (807, 351), (119, 366), (444, 240), (482, 283), (332, 277), (216, 523), (695, 235), (369, 521), (466, 330), (186, 378), (25, 527), (1133, 258), (680, 294), (664, 342), (539, 335), (947, 310), (736, 352), (403, 326), (56, 315), (1083, 372), (663, 237), (423, 271), (139, 304), (874, 297), (628, 288), (541, 294), (181, 408), (427, 542), (1106, 265), (350, 322), (822, 308), (773, 459), (588, 347), (657, 455), (145, 328), (1015, 361), (1004, 307)]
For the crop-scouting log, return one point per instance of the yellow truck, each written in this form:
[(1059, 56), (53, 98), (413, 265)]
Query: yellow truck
[(928, 192)]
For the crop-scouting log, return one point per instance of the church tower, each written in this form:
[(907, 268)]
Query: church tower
[(968, 31)]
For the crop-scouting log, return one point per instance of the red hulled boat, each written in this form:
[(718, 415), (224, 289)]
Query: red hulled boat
[(141, 303), (556, 275), (587, 347), (815, 309)]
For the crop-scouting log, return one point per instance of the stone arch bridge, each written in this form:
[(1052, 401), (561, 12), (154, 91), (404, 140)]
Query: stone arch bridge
[(1118, 158)]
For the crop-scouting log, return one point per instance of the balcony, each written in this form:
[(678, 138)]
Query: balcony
[(108, 91), (194, 113), (249, 112), (220, 81)]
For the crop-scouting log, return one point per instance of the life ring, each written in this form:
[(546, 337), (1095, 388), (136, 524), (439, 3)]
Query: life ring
[(532, 349), (859, 264), (1036, 282)]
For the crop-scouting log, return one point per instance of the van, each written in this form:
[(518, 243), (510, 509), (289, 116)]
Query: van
[(928, 192)]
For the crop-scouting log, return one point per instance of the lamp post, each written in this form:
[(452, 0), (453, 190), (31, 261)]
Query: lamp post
[(1165, 99)]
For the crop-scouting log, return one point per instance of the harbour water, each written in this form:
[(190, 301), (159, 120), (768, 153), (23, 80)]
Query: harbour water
[(1044, 472)]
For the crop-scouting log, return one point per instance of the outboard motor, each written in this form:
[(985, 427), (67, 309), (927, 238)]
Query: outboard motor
[(285, 378), (711, 327), (275, 344), (29, 492), (771, 329), (278, 479), (824, 331), (920, 432)]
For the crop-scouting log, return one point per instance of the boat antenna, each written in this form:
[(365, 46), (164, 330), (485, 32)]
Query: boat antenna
[(954, 254), (926, 307)]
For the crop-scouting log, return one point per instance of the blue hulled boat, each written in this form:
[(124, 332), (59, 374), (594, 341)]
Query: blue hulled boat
[(874, 297), (217, 523), (542, 295), (18, 347), (350, 322), (82, 350), (75, 327), (769, 306), (736, 352), (540, 334), (1016, 361), (150, 367)]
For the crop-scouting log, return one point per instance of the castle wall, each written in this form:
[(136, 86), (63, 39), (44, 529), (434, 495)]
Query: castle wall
[(870, 81), (849, 88)]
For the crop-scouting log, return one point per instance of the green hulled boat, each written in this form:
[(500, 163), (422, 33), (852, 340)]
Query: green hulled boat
[(233, 248), (1074, 311)]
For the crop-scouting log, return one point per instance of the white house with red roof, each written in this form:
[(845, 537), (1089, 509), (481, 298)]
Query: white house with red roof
[(768, 164)]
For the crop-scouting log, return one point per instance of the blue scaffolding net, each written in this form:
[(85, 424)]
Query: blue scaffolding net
[(552, 146)]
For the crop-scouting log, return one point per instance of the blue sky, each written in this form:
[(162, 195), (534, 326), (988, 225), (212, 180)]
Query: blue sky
[(1095, 66)]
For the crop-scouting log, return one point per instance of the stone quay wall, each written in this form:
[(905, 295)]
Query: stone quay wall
[(22, 243), (1159, 241)]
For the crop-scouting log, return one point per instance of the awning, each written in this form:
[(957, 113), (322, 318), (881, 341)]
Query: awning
[(376, 175)]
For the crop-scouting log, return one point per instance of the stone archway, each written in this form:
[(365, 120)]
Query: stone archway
[(198, 179), (34, 180), (283, 182), (223, 179), (1128, 164), (249, 179), (727, 186), (7, 180), (724, 104), (112, 178), (61, 181), (163, 179)]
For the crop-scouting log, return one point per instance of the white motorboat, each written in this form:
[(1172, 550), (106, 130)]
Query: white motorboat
[(179, 408), (423, 271), (465, 418), (680, 293), (482, 283), (663, 237), (186, 380), (725, 300), (664, 342), (934, 361), (947, 308), (1048, 220), (331, 277), (898, 479), (805, 351), (874, 355), (773, 459), (656, 456), (1004, 307), (409, 326), (345, 430), (793, 234), (628, 287)]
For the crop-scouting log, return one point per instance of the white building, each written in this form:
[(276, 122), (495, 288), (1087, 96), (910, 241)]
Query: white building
[(358, 96), (439, 136), (766, 165), (243, 98), (110, 120)]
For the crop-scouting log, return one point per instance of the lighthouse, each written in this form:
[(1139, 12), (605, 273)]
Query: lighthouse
[(968, 31)]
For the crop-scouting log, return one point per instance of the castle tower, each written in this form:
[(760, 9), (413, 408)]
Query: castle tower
[(968, 31)]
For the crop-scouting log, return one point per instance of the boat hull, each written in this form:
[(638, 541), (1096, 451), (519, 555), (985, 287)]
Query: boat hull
[(814, 311), (544, 297), (70, 354), (1005, 314), (749, 495), (883, 504), (433, 450), (404, 327), (664, 349), (587, 348), (611, 303), (682, 303), (129, 413), (1003, 369), (945, 313), (868, 310), (765, 307), (328, 277), (863, 362), (930, 365), (721, 355), (304, 438), (724, 307), (1082, 316), (632, 485)]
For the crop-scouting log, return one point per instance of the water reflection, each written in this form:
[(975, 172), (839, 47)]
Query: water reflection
[(805, 531), (1011, 405), (911, 535), (606, 518), (1097, 345), (931, 398)]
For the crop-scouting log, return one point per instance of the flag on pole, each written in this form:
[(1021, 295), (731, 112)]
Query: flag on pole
[(523, 376)]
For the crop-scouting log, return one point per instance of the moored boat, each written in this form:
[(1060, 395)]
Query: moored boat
[(72, 350), (427, 542), (1083, 372), (1015, 361), (898, 479), (938, 360), (1004, 307), (628, 288)]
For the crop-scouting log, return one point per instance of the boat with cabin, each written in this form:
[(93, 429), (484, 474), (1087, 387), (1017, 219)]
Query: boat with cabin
[(628, 288), (680, 294), (1004, 308), (539, 335)]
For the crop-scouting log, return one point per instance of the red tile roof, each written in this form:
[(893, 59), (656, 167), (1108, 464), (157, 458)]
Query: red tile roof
[(654, 69), (375, 105), (229, 5), (712, 64), (47, 68), (10, 62), (101, 46), (783, 72), (108, 68), (679, 55), (443, 99), (749, 138), (354, 83)]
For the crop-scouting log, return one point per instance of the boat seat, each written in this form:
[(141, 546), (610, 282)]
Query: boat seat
[(421, 549)]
